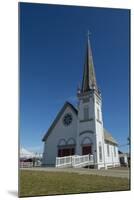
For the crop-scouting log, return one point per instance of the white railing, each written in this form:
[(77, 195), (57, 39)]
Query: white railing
[(65, 161), (29, 164), (81, 161), (74, 161), (26, 164)]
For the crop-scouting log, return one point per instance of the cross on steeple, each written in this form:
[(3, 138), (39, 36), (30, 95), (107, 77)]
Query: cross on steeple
[(89, 78)]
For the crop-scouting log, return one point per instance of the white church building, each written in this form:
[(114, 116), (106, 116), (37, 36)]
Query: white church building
[(80, 131)]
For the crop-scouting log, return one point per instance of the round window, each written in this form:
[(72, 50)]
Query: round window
[(67, 119)]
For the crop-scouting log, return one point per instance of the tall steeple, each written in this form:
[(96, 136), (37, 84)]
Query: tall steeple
[(89, 78)]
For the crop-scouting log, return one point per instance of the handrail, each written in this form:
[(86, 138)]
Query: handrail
[(74, 161)]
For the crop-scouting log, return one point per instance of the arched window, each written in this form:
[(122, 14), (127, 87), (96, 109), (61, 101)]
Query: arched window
[(71, 141), (100, 151), (98, 114), (62, 142), (108, 151), (114, 150), (86, 140)]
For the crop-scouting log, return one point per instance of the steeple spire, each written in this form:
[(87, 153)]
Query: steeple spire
[(89, 78)]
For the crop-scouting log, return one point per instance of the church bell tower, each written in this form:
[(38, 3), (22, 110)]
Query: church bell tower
[(90, 133)]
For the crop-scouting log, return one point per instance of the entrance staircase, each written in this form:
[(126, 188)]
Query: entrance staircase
[(74, 161)]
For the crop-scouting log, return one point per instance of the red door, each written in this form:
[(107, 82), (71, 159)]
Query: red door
[(86, 150)]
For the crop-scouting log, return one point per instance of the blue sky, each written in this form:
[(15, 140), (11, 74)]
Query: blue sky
[(52, 54)]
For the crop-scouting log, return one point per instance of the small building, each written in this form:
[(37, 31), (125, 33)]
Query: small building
[(124, 159), (80, 131)]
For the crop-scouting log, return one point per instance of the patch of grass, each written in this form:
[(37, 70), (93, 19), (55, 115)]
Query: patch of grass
[(36, 183)]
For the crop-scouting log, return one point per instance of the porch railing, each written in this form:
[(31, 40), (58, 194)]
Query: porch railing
[(74, 161)]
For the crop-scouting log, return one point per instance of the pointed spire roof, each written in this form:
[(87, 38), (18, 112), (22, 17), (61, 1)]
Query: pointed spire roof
[(89, 78)]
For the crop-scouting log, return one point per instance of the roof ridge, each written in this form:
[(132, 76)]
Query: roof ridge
[(108, 136)]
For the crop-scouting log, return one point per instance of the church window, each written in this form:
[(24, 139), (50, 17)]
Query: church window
[(67, 119), (115, 151), (86, 113), (108, 152), (100, 152), (98, 114)]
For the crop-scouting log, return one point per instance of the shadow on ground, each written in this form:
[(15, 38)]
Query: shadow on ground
[(13, 193)]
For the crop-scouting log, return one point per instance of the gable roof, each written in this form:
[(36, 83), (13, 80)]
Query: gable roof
[(67, 104), (107, 136)]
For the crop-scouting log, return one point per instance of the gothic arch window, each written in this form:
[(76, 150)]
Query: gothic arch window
[(98, 114), (62, 142), (86, 140), (100, 151), (71, 141), (108, 150), (114, 150)]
